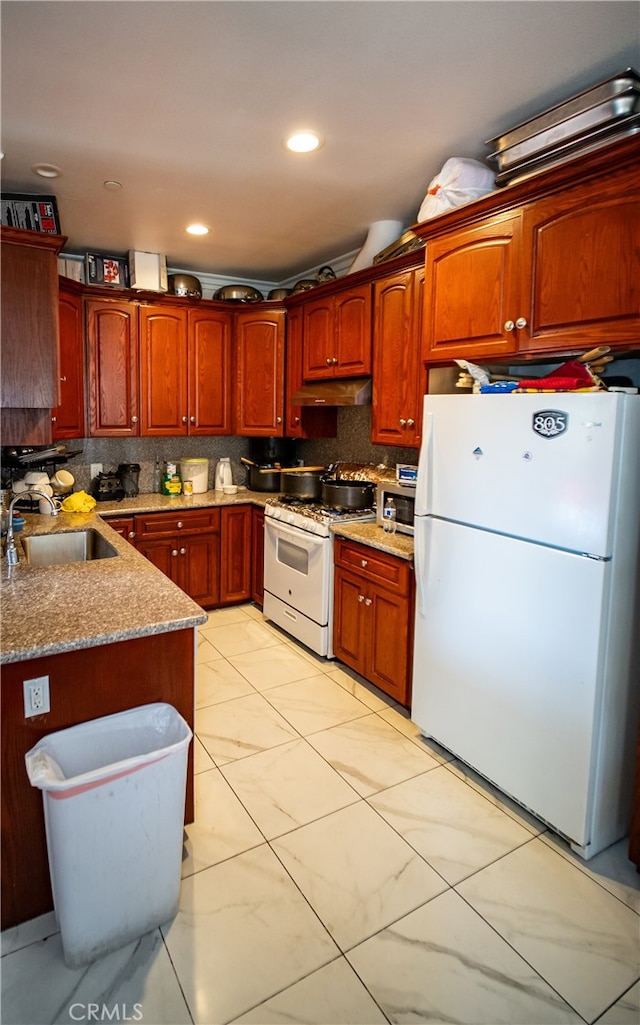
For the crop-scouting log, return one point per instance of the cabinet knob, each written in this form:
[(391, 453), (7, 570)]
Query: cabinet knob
[(174, 551), (521, 322), (134, 419), (334, 360), (296, 420), (509, 325), (63, 378), (184, 419), (329, 361), (363, 563), (278, 419), (367, 601), (411, 423), (132, 533), (179, 524), (192, 419), (403, 423), (54, 419), (360, 597), (183, 551)]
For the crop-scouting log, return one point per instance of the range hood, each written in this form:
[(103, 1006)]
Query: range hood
[(347, 391)]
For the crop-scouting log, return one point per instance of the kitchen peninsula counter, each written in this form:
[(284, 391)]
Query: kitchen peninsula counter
[(47, 610), (152, 502)]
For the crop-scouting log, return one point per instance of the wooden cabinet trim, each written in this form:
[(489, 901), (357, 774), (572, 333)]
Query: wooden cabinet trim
[(393, 572), (154, 525)]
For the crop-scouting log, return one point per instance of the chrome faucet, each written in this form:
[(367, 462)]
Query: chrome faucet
[(12, 551)]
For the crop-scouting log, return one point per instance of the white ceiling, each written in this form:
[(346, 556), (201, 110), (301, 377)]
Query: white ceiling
[(186, 104)]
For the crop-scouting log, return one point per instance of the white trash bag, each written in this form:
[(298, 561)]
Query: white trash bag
[(460, 180)]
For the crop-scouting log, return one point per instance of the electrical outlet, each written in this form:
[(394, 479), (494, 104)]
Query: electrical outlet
[(36, 696), (96, 468)]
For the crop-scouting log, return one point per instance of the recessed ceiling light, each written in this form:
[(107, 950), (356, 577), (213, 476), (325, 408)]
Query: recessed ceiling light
[(198, 229), (112, 185), (303, 142), (46, 170)]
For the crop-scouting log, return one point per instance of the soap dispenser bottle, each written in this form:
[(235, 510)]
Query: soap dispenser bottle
[(223, 473)]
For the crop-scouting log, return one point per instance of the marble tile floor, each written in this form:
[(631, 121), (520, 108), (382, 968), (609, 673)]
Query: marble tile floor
[(343, 870)]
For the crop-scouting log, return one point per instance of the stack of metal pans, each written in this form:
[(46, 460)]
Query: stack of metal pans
[(608, 111)]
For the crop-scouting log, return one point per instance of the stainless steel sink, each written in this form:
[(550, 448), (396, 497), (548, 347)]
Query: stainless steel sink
[(67, 546)]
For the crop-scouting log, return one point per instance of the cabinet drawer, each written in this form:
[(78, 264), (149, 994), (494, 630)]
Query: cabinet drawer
[(374, 565), (191, 521)]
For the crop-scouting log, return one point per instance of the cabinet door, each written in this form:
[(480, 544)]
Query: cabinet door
[(235, 584), (163, 371), (581, 266), (396, 359), (352, 328), (257, 555), (67, 419), (112, 363), (389, 626), (471, 298), (199, 562), (210, 372), (349, 625), (164, 556), (303, 421), (260, 373), (123, 525), (319, 347)]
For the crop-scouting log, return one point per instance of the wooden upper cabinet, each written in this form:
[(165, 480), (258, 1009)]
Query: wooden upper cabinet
[(471, 290), (581, 266), (337, 334), (398, 379), (163, 370), (112, 368), (259, 345), (210, 372), (67, 418), (302, 421), (30, 371)]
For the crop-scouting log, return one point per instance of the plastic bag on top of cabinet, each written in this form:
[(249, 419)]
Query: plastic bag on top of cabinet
[(460, 180)]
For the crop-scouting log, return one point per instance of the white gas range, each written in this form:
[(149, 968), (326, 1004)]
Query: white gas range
[(298, 569)]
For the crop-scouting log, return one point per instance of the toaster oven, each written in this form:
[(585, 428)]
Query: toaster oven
[(404, 497)]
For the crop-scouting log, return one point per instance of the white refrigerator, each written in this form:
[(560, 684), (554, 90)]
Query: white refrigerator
[(527, 628)]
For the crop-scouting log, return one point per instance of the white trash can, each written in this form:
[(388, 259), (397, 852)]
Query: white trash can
[(114, 796)]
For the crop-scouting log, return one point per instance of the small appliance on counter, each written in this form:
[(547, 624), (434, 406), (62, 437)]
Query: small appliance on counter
[(404, 498), (107, 487), (128, 474)]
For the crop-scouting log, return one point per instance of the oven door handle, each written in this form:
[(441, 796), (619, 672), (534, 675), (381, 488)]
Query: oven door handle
[(300, 536)]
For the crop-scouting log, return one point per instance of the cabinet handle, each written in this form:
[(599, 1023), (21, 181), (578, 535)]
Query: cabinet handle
[(360, 597), (411, 423), (184, 419), (132, 533), (403, 423), (521, 322), (296, 420), (54, 419), (367, 601), (134, 419), (179, 524), (278, 419), (174, 551), (363, 563), (63, 378), (329, 361), (509, 325), (183, 551), (334, 360), (192, 419)]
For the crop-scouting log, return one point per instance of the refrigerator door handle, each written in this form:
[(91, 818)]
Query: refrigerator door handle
[(421, 539), (425, 466)]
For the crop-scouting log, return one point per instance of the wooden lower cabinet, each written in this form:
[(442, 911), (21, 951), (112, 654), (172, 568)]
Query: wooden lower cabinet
[(83, 685), (257, 555), (185, 546), (373, 616), (123, 525), (235, 540)]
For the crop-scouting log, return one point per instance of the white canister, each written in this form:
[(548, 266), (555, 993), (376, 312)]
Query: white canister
[(196, 470)]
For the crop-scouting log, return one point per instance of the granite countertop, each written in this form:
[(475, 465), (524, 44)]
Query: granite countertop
[(50, 609), (371, 534), (153, 502)]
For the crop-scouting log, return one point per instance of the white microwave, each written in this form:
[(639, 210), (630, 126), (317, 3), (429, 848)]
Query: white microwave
[(404, 497)]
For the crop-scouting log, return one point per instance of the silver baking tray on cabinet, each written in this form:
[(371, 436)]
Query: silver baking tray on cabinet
[(617, 97)]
